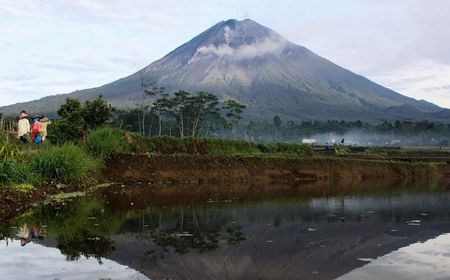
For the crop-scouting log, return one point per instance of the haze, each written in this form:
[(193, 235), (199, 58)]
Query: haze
[(49, 47)]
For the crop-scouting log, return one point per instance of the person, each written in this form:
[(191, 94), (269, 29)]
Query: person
[(23, 234), (37, 233), (36, 128), (44, 123), (23, 127)]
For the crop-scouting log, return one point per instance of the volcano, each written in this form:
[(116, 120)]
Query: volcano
[(253, 64)]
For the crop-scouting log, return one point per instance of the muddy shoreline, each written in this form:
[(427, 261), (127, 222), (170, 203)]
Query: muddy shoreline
[(217, 170)]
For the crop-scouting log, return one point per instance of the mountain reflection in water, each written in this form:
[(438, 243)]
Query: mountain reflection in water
[(308, 231)]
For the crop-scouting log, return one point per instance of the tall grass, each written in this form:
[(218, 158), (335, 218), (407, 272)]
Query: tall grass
[(106, 142), (14, 173), (64, 163)]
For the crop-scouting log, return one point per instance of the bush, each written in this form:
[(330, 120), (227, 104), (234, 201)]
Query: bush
[(64, 164), (106, 142), (62, 131)]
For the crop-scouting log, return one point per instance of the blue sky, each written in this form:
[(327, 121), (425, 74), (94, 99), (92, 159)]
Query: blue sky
[(50, 47)]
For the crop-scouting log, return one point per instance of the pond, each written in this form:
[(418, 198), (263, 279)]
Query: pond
[(358, 230)]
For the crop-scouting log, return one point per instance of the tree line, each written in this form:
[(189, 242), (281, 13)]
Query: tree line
[(180, 114)]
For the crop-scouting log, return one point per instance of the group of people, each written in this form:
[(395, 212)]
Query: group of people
[(38, 128), (24, 233)]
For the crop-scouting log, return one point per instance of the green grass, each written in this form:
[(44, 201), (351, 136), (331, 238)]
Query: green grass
[(219, 146), (106, 142), (14, 173), (66, 163)]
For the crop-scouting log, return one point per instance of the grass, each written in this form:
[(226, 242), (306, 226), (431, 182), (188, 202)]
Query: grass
[(217, 146), (106, 142), (66, 163), (14, 173)]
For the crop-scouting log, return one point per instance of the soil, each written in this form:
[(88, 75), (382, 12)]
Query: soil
[(179, 169)]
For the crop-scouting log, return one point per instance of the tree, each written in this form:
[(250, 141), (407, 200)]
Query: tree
[(156, 93), (204, 106), (233, 114), (97, 112), (180, 105), (277, 122), (161, 107), (77, 119), (153, 91)]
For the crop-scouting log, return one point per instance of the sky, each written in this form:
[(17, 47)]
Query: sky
[(50, 47)]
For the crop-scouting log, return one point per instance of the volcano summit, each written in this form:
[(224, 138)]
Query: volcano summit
[(246, 61)]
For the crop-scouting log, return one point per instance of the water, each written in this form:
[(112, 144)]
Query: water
[(372, 230)]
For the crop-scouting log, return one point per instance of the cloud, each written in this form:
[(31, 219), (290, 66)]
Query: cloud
[(439, 88), (270, 45), (422, 79)]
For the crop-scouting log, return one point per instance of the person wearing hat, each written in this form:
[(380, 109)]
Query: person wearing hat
[(23, 127), (44, 123)]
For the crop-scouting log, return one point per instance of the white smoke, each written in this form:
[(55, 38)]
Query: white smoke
[(227, 34), (270, 45)]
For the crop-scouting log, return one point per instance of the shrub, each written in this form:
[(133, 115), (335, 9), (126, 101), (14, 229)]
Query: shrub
[(64, 164), (106, 142)]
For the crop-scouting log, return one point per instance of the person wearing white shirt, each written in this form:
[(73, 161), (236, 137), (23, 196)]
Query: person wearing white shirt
[(23, 127)]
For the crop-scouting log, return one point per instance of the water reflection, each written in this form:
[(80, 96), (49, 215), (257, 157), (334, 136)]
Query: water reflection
[(429, 260), (36, 261), (305, 231)]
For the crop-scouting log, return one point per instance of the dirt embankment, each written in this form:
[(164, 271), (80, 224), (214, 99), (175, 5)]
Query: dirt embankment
[(211, 169)]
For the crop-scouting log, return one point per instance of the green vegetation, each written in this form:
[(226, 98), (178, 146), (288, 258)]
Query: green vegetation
[(8, 151), (341, 150), (77, 120), (58, 164), (219, 146), (64, 163), (179, 114), (15, 173), (106, 142)]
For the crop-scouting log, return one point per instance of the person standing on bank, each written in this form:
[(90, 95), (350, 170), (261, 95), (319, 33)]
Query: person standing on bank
[(44, 123), (23, 127), (36, 128)]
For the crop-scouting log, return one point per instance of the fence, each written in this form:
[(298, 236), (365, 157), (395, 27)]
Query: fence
[(8, 125)]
